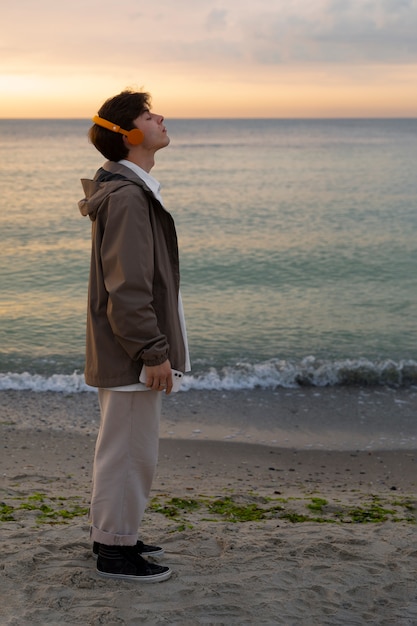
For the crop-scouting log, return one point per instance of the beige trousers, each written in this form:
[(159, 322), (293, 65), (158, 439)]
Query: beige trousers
[(124, 464)]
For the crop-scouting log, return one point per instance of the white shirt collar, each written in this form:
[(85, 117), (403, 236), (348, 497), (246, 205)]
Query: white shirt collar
[(151, 182)]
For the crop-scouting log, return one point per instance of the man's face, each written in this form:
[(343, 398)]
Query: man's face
[(154, 131)]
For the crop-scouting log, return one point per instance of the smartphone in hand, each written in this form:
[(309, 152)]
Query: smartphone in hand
[(177, 377)]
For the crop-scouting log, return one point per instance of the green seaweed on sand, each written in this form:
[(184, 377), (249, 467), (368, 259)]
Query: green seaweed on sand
[(251, 508), (236, 512), (6, 512), (47, 509), (233, 508), (317, 504)]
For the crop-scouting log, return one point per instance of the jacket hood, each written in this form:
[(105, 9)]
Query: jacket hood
[(95, 193), (107, 180)]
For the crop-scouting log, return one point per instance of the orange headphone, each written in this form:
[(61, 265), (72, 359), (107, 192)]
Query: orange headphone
[(134, 136)]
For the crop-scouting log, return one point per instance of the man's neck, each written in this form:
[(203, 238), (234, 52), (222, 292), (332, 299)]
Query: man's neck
[(144, 160)]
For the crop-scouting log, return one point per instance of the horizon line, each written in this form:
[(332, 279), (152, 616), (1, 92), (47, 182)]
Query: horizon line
[(321, 117)]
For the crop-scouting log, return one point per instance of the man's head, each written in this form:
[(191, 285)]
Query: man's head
[(122, 110)]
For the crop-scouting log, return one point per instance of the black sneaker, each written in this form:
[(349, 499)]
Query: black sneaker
[(125, 563), (142, 549)]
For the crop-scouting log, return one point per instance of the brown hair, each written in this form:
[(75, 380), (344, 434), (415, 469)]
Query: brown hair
[(121, 110)]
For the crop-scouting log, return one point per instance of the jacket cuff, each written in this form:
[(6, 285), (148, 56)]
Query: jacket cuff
[(155, 361)]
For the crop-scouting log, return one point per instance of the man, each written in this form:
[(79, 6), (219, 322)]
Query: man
[(135, 328)]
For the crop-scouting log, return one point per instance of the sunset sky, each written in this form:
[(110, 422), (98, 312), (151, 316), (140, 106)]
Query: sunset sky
[(211, 58)]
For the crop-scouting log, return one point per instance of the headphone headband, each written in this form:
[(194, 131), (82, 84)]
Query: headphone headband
[(134, 136)]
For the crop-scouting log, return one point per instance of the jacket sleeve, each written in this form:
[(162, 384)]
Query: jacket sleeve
[(127, 256)]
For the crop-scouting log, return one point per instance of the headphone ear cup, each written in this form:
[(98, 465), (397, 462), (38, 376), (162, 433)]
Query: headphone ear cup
[(135, 136)]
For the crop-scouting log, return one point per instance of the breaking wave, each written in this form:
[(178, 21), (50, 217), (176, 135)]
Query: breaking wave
[(270, 374)]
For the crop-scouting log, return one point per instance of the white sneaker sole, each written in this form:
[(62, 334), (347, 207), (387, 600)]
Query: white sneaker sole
[(153, 578)]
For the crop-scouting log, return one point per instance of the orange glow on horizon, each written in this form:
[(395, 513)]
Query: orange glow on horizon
[(301, 92)]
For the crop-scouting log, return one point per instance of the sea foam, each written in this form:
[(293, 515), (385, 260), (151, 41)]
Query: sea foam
[(270, 374)]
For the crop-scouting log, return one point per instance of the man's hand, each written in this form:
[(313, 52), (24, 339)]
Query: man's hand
[(159, 377)]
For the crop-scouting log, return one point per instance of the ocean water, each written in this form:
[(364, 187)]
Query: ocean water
[(298, 242)]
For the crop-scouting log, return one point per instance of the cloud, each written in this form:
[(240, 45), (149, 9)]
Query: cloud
[(216, 20), (335, 31), (99, 34)]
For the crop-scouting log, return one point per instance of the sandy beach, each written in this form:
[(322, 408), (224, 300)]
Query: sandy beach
[(274, 507)]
